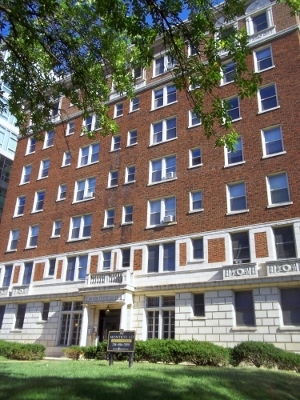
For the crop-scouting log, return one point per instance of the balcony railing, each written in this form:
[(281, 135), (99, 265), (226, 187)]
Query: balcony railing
[(108, 278)]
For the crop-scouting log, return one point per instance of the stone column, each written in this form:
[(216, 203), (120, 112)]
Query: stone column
[(123, 319), (84, 325)]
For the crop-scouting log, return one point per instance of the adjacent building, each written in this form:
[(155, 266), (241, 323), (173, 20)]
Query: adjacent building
[(154, 229)]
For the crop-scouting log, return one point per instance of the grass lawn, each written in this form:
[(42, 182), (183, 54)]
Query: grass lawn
[(91, 380)]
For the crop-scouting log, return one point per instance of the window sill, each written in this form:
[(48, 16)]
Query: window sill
[(265, 69), (23, 183), (55, 237), (111, 187), (244, 329), (48, 147), (164, 141), (36, 212), (161, 225), (226, 83), (280, 204), (162, 181), (118, 116), (78, 239), (237, 119), (113, 151), (43, 177), (126, 223), (28, 154), (132, 111), (83, 200), (269, 109), (237, 212), (191, 262), (289, 328), (30, 247), (234, 164), (64, 166), (108, 227), (194, 126), (196, 211), (86, 165), (131, 145), (195, 166), (273, 155), (59, 200), (129, 183), (17, 216), (10, 251), (16, 331), (197, 318), (164, 105)]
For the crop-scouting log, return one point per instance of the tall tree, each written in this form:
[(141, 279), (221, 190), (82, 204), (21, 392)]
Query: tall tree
[(77, 48)]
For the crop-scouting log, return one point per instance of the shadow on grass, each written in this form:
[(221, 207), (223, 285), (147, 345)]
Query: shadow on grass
[(146, 382)]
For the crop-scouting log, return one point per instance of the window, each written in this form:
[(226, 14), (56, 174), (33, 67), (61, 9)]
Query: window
[(162, 169), (196, 201), (2, 312), (33, 236), (197, 249), (285, 242), (160, 312), (76, 268), (260, 22), (235, 156), (113, 179), (118, 110), (135, 104), (20, 316), (198, 305), (49, 139), (272, 141), (91, 123), (39, 201), (164, 96), (290, 306), (20, 205), (161, 257), (55, 110), (27, 273), (195, 157), (125, 258), (278, 189), (56, 228), (240, 247), (89, 155), (51, 267), (45, 311), (127, 214), (70, 128), (138, 73), (31, 145), (236, 197), (132, 138), (263, 59), (163, 131), (106, 260), (8, 269), (244, 308), (62, 192), (228, 70), (109, 217), (116, 143), (26, 172), (81, 227), (44, 169), (130, 174), (85, 189), (267, 98), (193, 119), (192, 49), (13, 239), (163, 64), (162, 211), (70, 325), (66, 158), (233, 108)]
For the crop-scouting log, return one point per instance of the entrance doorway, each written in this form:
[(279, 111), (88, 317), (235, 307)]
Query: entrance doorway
[(108, 322)]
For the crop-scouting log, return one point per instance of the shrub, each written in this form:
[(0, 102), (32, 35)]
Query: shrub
[(20, 351), (258, 353), (288, 361), (74, 352)]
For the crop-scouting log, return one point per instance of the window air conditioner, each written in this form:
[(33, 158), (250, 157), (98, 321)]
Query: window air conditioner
[(170, 175), (169, 218), (237, 261), (89, 195)]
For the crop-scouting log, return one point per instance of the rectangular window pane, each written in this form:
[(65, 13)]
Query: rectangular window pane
[(20, 316), (285, 242), (153, 258), (169, 257), (240, 247), (199, 309), (290, 305), (244, 308)]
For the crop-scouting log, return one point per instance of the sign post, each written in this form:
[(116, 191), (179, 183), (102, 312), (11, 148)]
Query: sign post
[(121, 341)]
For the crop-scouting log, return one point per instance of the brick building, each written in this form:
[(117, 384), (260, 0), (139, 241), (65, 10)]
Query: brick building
[(155, 230)]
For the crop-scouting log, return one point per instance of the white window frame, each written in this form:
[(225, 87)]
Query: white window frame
[(231, 198), (55, 111), (118, 110), (109, 214), (256, 62), (83, 224), (168, 64), (112, 177), (14, 236), (38, 202), (89, 155), (164, 131), (270, 190), (116, 143), (56, 226), (192, 118), (166, 215), (66, 159), (25, 177), (18, 205), (62, 192), (192, 157), (70, 128), (164, 98), (166, 172), (227, 76), (93, 125), (76, 272), (239, 148), (229, 109), (129, 173), (193, 200), (162, 260), (131, 136), (260, 99), (49, 139), (87, 188), (135, 104), (33, 233), (44, 169), (127, 215), (106, 260), (159, 315), (264, 143), (250, 24), (31, 145)]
